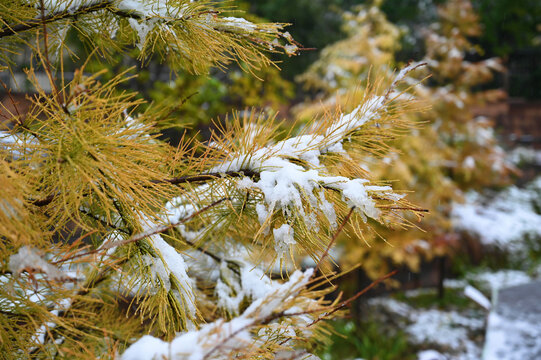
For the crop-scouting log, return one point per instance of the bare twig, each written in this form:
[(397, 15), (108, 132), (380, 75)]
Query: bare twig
[(46, 60), (206, 177), (335, 236), (346, 302)]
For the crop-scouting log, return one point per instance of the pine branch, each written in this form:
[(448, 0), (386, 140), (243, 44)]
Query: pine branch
[(154, 231), (30, 24), (188, 179), (207, 177)]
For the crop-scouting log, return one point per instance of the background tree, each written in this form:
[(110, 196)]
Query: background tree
[(451, 150)]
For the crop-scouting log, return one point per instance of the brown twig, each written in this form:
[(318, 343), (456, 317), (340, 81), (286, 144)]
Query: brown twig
[(346, 302), (187, 179), (335, 236), (403, 208), (47, 62), (206, 177)]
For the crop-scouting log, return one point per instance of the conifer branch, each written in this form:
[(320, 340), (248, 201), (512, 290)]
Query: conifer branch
[(9, 30), (208, 177), (153, 231), (346, 302), (187, 179)]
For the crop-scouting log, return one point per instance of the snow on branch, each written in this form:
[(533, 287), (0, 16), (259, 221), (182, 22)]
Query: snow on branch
[(27, 259), (225, 339), (190, 34), (293, 178)]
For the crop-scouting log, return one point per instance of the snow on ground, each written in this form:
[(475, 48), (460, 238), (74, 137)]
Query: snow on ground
[(513, 331), (504, 221), (506, 339), (495, 280), (456, 333), (523, 155), (430, 355), (449, 331)]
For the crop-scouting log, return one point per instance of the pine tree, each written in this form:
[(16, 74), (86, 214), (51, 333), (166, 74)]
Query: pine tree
[(114, 243)]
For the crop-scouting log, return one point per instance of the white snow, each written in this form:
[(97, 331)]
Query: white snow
[(53, 6), (150, 11), (504, 221), (500, 279), (430, 355), (478, 297), (221, 338), (291, 174), (28, 258), (511, 339), (237, 23), (448, 329), (524, 155), (167, 266), (283, 239)]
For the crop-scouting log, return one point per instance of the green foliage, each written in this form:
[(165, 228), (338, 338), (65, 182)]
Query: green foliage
[(452, 299), (508, 25), (367, 340)]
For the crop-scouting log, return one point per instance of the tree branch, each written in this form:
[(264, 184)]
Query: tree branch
[(188, 179), (207, 177), (9, 30), (335, 236)]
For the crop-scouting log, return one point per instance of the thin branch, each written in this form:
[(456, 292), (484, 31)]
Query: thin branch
[(9, 30), (206, 177), (46, 60), (403, 208), (346, 302), (188, 179), (103, 222), (335, 236)]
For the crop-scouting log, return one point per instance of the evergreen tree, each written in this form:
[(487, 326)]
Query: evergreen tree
[(114, 243)]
